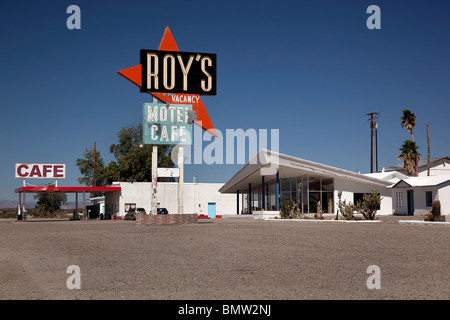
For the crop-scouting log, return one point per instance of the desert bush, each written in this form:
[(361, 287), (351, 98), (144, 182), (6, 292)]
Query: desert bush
[(347, 210), (369, 206), (287, 208), (435, 212), (8, 213)]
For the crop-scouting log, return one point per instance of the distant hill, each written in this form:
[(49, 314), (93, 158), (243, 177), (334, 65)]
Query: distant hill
[(13, 203), (4, 204)]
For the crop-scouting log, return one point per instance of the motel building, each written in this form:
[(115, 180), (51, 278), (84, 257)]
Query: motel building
[(268, 179), (203, 199), (272, 176)]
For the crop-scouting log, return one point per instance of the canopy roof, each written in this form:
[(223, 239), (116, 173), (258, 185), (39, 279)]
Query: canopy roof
[(66, 189), (289, 167)]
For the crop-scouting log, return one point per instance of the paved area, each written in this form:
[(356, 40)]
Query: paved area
[(230, 258)]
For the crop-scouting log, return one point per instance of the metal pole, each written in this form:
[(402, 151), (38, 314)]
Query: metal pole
[(84, 205), (75, 216), (376, 146), (24, 210), (371, 144), (428, 143), (373, 117), (95, 164)]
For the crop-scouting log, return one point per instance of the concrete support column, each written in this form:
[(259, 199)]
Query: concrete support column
[(250, 198), (237, 200), (263, 194)]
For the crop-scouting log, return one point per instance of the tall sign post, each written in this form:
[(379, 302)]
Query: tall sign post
[(177, 77), (181, 180), (167, 124), (154, 179)]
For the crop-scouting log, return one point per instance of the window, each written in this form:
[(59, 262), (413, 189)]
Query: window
[(399, 199), (429, 198), (357, 197)]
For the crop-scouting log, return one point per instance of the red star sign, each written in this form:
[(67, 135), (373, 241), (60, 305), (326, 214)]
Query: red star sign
[(133, 74)]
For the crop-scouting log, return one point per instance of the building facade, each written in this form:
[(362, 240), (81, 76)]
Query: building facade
[(438, 166), (271, 177), (415, 195), (199, 198)]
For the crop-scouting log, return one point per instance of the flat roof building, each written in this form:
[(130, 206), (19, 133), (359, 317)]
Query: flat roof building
[(271, 177)]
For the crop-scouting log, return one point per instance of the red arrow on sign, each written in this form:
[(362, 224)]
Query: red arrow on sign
[(134, 74)]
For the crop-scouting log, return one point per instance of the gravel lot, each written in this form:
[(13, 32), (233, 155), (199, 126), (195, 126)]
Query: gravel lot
[(229, 258)]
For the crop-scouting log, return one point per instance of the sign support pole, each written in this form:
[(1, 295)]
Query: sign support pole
[(24, 210), (154, 177), (180, 179), (154, 173), (85, 215)]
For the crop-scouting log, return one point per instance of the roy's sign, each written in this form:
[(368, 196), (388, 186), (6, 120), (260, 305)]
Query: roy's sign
[(167, 123), (178, 72), (40, 171)]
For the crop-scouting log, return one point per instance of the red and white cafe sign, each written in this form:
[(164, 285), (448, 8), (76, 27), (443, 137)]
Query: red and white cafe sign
[(40, 171)]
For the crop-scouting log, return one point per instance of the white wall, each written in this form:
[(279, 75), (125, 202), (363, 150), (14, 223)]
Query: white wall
[(442, 193), (196, 198), (444, 198), (350, 187), (440, 168)]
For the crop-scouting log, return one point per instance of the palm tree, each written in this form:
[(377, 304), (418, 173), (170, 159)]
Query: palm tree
[(410, 157), (409, 122)]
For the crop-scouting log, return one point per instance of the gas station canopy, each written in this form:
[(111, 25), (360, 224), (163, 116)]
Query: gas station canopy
[(66, 189)]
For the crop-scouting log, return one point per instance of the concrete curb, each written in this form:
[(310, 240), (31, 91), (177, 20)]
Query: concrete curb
[(420, 222), (317, 220)]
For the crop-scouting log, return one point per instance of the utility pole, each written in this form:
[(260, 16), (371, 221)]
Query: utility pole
[(373, 120), (95, 165), (376, 146), (428, 143)]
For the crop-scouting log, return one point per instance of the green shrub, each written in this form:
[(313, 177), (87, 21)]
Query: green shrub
[(347, 210), (287, 208), (369, 206)]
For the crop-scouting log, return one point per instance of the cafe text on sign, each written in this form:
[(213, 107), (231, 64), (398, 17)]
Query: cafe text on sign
[(167, 124), (40, 171), (178, 72)]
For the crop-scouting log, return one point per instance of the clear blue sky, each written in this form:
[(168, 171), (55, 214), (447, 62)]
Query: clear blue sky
[(311, 69)]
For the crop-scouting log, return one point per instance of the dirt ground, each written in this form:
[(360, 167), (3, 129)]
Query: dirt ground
[(228, 258)]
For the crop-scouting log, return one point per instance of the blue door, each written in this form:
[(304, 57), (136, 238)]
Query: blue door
[(410, 197), (211, 209)]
